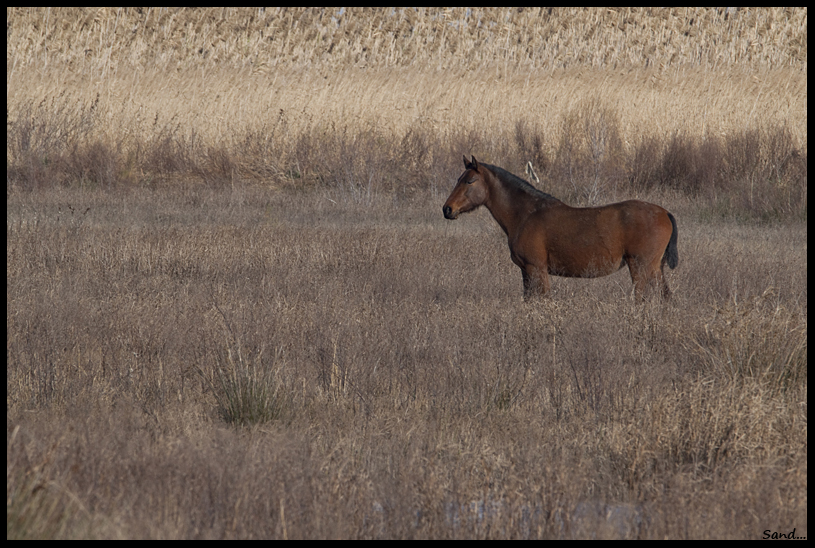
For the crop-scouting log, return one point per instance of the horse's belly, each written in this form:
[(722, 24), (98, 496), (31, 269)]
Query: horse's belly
[(584, 267)]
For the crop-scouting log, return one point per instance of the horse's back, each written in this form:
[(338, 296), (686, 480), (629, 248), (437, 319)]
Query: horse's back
[(638, 215), (612, 220)]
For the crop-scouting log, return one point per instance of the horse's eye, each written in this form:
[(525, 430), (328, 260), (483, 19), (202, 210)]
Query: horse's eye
[(471, 181)]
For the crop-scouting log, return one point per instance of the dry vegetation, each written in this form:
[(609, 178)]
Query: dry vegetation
[(235, 310)]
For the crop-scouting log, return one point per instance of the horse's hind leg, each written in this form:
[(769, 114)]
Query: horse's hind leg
[(666, 293), (647, 279)]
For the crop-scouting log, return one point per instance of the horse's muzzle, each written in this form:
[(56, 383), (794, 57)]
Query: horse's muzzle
[(448, 212)]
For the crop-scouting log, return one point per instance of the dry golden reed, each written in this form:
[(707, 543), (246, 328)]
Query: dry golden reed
[(102, 41), (222, 71)]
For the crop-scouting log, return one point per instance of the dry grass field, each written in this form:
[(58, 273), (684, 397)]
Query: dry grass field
[(235, 310)]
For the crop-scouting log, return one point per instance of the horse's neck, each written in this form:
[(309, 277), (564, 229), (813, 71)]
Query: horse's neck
[(510, 206)]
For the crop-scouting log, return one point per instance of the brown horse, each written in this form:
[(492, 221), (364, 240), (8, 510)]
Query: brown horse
[(547, 236)]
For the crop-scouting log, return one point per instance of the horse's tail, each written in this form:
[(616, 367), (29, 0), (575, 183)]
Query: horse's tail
[(671, 253)]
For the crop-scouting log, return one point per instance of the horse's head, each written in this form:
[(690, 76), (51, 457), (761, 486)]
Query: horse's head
[(470, 191)]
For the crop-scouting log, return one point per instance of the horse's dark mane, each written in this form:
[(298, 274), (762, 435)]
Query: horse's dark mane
[(519, 183)]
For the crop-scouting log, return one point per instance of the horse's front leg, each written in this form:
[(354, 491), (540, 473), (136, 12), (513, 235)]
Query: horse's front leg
[(536, 282)]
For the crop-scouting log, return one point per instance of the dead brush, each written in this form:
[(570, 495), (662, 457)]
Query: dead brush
[(247, 392), (38, 505), (755, 339), (419, 393), (590, 154), (246, 387)]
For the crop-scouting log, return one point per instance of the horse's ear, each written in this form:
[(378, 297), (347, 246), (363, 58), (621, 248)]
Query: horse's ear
[(471, 165)]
